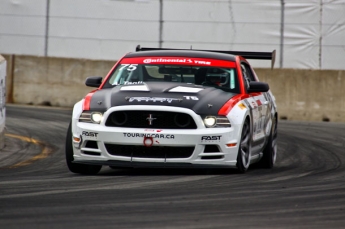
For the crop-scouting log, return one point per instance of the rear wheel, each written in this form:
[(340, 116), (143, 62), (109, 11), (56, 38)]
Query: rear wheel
[(73, 167), (244, 151), (270, 151)]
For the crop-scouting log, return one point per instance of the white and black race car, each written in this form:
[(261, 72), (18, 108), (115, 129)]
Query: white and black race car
[(175, 108)]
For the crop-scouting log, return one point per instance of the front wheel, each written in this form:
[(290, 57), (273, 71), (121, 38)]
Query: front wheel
[(73, 167), (244, 151)]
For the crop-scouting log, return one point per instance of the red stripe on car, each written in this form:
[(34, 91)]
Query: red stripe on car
[(87, 101), (231, 103)]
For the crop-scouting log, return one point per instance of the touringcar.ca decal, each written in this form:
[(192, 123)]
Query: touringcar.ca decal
[(142, 135)]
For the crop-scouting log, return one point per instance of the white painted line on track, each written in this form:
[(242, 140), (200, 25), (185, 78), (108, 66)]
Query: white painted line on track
[(289, 177), (110, 187)]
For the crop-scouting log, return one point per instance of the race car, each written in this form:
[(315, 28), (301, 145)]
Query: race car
[(175, 108)]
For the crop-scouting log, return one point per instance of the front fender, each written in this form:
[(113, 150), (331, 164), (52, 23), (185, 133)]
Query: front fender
[(77, 110), (237, 116)]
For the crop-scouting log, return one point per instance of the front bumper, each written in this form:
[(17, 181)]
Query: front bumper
[(137, 147)]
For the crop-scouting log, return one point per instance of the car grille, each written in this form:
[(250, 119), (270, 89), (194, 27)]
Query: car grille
[(151, 119), (150, 152)]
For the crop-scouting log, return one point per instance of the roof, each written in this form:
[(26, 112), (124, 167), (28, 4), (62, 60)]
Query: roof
[(182, 53)]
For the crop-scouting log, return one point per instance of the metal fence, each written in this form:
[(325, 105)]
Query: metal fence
[(307, 34)]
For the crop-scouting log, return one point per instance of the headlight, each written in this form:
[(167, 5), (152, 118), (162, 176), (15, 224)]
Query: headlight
[(96, 117), (210, 121), (91, 117), (216, 121)]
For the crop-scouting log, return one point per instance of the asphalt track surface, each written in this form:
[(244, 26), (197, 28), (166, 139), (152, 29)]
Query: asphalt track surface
[(306, 189)]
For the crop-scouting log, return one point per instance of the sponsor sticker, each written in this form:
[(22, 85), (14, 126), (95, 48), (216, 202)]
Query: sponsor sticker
[(132, 83), (148, 141), (153, 130), (186, 89), (153, 99), (242, 106), (152, 135), (130, 64), (90, 134), (210, 138), (167, 60), (134, 87), (190, 97)]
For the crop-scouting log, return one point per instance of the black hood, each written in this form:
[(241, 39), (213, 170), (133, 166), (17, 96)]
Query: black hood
[(200, 99)]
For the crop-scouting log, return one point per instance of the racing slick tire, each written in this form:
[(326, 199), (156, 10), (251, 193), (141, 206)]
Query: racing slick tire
[(73, 167), (244, 151), (270, 151)]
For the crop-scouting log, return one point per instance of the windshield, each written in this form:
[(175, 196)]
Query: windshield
[(132, 74)]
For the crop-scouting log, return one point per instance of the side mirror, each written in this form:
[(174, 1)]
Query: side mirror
[(258, 87), (93, 81)]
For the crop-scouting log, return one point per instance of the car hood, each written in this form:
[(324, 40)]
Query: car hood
[(201, 99)]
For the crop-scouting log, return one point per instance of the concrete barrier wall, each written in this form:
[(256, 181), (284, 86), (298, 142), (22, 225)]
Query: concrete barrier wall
[(306, 95), (2, 100), (51, 81)]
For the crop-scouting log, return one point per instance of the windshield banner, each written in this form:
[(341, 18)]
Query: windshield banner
[(178, 61)]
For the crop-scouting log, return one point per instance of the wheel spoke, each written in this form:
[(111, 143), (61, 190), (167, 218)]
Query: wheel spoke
[(245, 145)]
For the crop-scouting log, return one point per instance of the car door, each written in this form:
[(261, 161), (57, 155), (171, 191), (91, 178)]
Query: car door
[(260, 114)]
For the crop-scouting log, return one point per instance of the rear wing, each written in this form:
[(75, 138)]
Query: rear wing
[(247, 55)]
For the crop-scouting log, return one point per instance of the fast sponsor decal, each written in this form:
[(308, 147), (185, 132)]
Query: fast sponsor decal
[(210, 138), (153, 99), (89, 134), (152, 135)]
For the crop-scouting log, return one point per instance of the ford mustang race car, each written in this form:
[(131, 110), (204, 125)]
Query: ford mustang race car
[(179, 108)]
